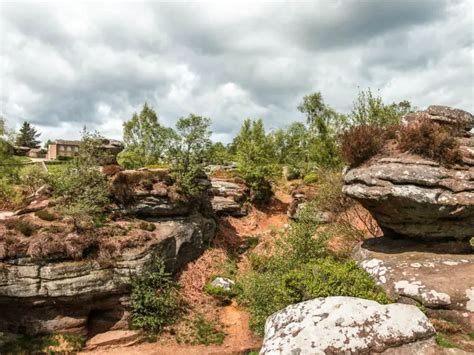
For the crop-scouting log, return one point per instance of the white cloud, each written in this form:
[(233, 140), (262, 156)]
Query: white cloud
[(68, 64)]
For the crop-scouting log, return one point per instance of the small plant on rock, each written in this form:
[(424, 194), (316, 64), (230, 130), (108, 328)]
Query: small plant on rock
[(154, 300), (45, 215)]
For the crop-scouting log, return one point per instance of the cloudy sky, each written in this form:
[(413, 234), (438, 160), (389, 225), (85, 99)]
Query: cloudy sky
[(67, 64)]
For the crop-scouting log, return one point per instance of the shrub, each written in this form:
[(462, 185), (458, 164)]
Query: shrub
[(45, 215), (301, 268), (33, 177), (154, 300), (23, 226), (310, 178), (360, 143), (430, 140), (11, 196), (293, 173), (150, 227), (206, 332), (285, 283)]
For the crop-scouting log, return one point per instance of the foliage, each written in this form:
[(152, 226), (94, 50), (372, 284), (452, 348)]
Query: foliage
[(80, 188), (370, 110), (150, 227), (255, 159), (43, 344), (27, 136), (154, 301), (33, 177), (360, 143), (444, 342), (45, 215), (206, 332), (23, 226), (311, 178), (430, 140), (325, 124), (190, 151), (219, 154), (300, 269), (146, 140)]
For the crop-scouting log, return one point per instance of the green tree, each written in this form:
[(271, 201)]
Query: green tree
[(255, 158), (369, 109), (146, 140), (27, 136), (325, 125), (190, 151), (219, 154)]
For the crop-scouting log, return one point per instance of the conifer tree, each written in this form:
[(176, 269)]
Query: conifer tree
[(27, 136)]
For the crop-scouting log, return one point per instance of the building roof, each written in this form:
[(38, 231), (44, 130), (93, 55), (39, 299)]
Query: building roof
[(66, 142)]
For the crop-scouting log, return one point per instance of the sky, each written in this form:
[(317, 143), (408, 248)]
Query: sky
[(67, 64)]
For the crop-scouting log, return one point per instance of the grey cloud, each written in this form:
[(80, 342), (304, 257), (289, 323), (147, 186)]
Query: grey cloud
[(62, 62)]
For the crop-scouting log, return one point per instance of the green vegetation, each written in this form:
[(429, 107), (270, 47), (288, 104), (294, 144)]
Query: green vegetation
[(301, 269), (27, 136), (206, 332), (222, 294), (45, 215), (154, 300), (150, 227), (443, 341), (189, 153), (43, 344)]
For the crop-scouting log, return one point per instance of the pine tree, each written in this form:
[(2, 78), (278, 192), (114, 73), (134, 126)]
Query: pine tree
[(27, 136)]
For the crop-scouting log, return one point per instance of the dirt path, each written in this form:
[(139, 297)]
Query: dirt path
[(235, 320)]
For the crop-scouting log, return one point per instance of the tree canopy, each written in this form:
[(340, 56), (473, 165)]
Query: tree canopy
[(27, 136)]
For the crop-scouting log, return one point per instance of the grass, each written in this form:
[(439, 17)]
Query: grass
[(444, 342), (44, 344), (56, 169)]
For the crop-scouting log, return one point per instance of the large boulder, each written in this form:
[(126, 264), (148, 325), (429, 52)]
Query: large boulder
[(43, 295), (415, 197), (345, 325), (152, 193), (229, 196), (438, 276)]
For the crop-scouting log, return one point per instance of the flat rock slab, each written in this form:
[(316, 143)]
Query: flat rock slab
[(424, 272), (343, 325), (114, 337)]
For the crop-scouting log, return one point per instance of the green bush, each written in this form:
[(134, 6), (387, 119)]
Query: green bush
[(150, 227), (23, 226), (154, 300), (45, 215), (311, 178), (300, 269), (206, 332), (33, 177)]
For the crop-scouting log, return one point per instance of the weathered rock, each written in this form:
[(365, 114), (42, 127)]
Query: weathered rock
[(34, 206), (427, 273), (415, 197), (40, 296), (444, 115), (228, 197), (223, 282), (151, 193), (338, 325), (412, 196), (114, 337)]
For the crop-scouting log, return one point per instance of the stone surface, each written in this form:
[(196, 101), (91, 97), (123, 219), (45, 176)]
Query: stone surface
[(223, 282), (62, 295), (113, 337), (343, 325), (229, 196), (414, 197), (34, 206), (423, 272)]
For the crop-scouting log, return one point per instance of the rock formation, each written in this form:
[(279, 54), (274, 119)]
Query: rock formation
[(426, 212), (415, 197), (340, 325), (229, 196), (56, 280)]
